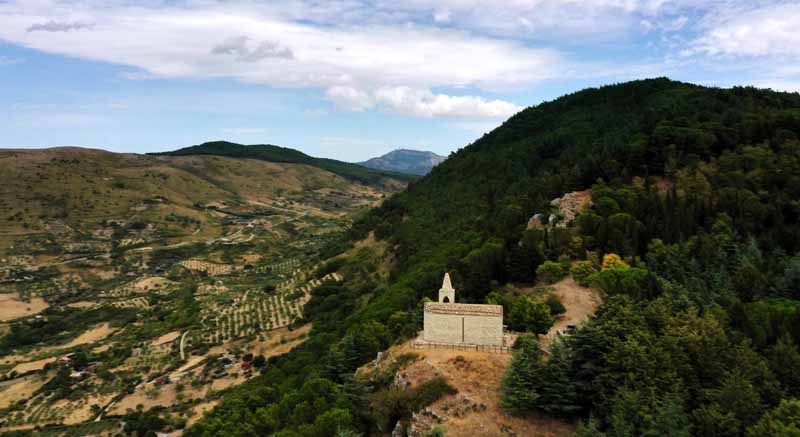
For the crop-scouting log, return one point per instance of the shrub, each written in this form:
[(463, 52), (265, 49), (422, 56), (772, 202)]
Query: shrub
[(612, 260), (431, 391), (555, 305), (581, 272), (529, 316), (551, 272)]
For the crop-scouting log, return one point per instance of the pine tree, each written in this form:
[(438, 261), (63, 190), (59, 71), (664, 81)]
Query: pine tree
[(520, 383), (557, 392)]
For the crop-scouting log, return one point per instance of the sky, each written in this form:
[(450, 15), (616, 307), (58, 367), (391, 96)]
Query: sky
[(353, 79)]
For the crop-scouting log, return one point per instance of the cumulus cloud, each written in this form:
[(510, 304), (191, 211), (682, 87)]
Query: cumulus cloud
[(58, 26), (231, 46), (197, 40), (385, 54), (425, 103), (766, 31), (421, 102), (269, 49), (350, 98)]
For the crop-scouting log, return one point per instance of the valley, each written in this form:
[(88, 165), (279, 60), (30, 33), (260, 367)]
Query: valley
[(131, 283)]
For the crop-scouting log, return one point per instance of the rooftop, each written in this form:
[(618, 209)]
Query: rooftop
[(464, 309)]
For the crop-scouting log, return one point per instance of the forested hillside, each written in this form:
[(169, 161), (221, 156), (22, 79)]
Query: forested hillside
[(695, 188)]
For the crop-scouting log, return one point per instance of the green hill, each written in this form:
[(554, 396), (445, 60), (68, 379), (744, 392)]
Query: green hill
[(266, 152), (695, 188)]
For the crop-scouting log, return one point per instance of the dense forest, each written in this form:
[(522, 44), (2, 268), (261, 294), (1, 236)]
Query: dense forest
[(695, 198), (268, 152)]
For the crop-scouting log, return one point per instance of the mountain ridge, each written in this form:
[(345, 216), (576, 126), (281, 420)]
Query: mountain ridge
[(419, 162), (272, 153)]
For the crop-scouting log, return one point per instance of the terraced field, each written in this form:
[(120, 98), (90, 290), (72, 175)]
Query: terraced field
[(123, 276)]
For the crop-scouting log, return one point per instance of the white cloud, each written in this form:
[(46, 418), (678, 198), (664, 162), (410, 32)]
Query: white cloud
[(58, 26), (425, 103), (235, 45), (441, 16), (766, 31), (198, 39), (390, 55), (239, 46), (420, 102), (350, 98)]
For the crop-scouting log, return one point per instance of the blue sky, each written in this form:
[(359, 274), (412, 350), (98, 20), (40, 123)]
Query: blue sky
[(352, 79)]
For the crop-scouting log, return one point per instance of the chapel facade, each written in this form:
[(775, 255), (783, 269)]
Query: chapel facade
[(456, 323)]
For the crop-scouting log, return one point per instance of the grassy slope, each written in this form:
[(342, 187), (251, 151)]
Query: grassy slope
[(82, 187)]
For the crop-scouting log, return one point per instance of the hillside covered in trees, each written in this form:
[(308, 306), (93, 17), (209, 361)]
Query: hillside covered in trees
[(695, 188)]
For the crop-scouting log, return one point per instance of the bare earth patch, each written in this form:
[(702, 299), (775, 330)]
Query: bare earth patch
[(12, 307), (580, 302), (83, 413), (95, 334), (32, 365), (152, 283), (81, 305), (476, 376), (166, 338), (18, 389)]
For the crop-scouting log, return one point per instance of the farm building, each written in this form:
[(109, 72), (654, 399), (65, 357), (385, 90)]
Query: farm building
[(456, 323)]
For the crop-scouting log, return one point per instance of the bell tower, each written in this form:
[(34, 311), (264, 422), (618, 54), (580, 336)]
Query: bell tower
[(447, 294)]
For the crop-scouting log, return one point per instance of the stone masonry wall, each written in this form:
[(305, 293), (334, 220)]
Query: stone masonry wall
[(447, 328)]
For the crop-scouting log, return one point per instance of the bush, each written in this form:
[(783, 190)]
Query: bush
[(581, 272), (431, 391), (612, 260), (555, 305), (529, 316), (551, 272)]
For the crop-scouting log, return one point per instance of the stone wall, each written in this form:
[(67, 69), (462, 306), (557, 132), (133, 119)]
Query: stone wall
[(466, 329)]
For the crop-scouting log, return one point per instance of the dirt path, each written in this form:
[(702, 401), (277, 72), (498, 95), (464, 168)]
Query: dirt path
[(183, 343), (580, 303)]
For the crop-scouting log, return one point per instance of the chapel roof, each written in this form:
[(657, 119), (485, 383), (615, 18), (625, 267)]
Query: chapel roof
[(463, 309)]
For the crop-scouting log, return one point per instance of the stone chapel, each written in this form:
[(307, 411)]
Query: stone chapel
[(456, 323)]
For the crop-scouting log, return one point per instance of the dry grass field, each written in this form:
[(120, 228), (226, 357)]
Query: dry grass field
[(12, 307)]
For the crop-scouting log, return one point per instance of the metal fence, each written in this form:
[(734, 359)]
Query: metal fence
[(461, 347)]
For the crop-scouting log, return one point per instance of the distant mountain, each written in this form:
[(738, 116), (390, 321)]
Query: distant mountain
[(268, 152), (406, 161)]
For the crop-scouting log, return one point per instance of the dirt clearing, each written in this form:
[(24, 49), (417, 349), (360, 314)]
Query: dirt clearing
[(580, 303), (95, 334), (475, 409), (12, 307), (18, 389), (32, 365)]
